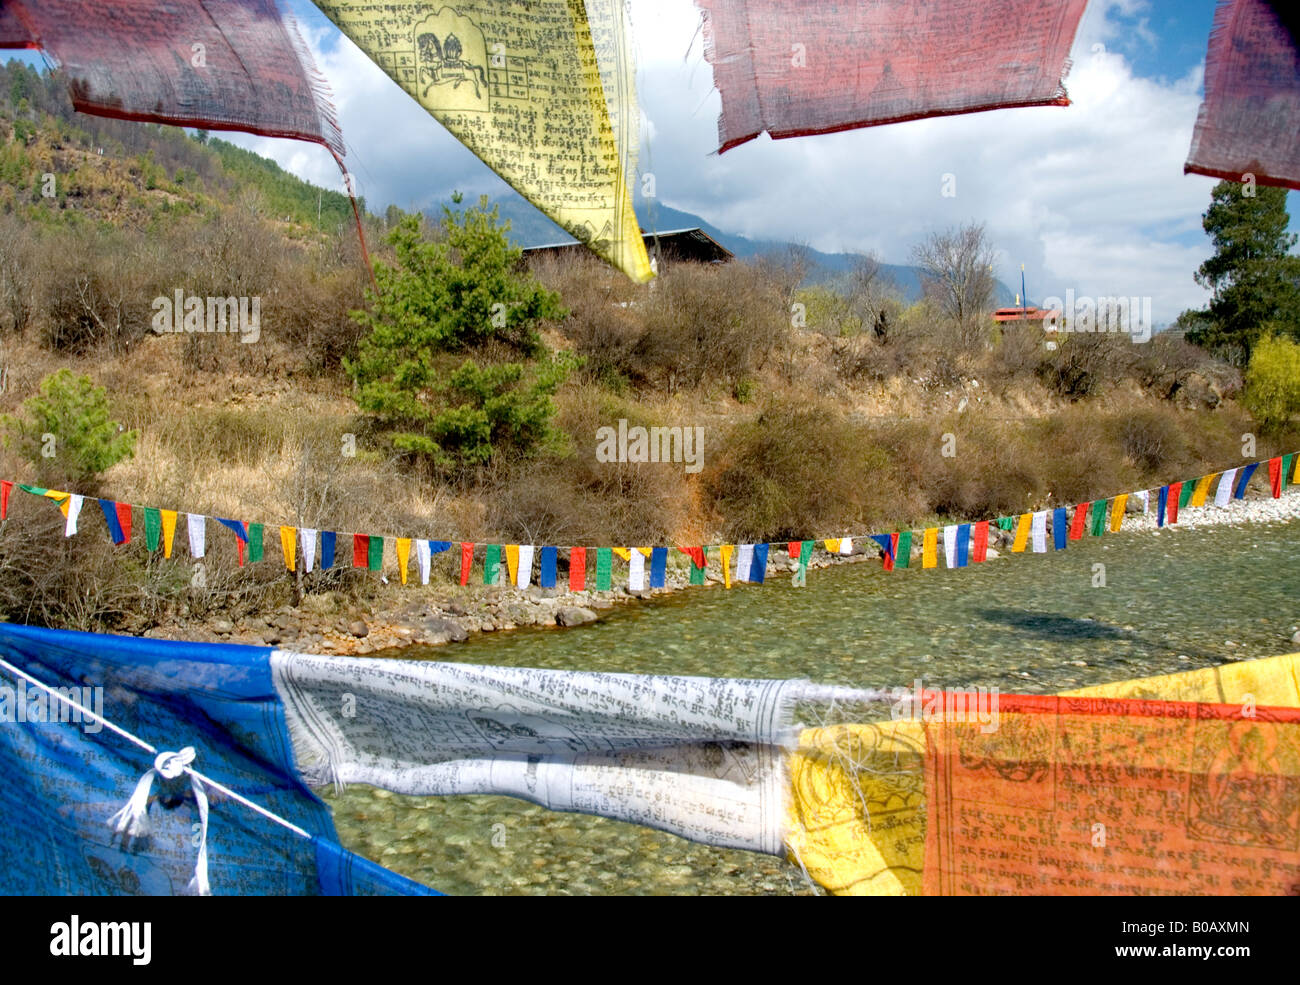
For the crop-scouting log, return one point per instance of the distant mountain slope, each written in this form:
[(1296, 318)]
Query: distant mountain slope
[(529, 227)]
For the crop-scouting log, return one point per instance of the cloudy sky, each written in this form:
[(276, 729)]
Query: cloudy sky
[(1090, 197)]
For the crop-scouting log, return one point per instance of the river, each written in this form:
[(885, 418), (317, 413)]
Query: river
[(1106, 609)]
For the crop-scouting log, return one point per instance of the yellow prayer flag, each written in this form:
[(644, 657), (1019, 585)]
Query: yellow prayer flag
[(169, 530), (1202, 488), (832, 545), (1295, 475), (1117, 512), (62, 498), (624, 553), (1022, 532), (289, 544), (404, 555), (512, 562), (645, 550), (930, 548), (724, 552), (543, 93)]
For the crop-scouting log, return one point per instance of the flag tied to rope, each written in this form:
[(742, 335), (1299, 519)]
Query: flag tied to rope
[(215, 64), (543, 93), (790, 68), (1249, 122)]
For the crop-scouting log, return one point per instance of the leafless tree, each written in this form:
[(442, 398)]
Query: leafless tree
[(957, 276)]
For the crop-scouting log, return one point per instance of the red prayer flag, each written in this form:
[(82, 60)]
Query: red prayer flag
[(577, 569), (360, 551), (215, 64), (1175, 494), (466, 562), (1080, 518), (980, 541), (12, 32), (124, 520), (791, 68), (1013, 810), (696, 554), (1275, 476), (795, 548), (1250, 120), (6, 487)]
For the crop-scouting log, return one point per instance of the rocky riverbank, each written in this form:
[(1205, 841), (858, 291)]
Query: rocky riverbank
[(442, 614)]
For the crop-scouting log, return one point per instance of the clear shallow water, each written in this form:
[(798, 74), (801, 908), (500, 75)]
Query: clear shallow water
[(1173, 601)]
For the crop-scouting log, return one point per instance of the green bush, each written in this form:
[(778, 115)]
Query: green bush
[(67, 434), (1272, 392)]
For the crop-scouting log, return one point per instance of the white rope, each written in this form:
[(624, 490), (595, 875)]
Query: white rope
[(132, 820)]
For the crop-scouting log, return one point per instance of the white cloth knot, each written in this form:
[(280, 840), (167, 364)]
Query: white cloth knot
[(170, 765), (132, 821)]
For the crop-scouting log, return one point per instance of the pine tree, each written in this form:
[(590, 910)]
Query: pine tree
[(432, 371), (1254, 278)]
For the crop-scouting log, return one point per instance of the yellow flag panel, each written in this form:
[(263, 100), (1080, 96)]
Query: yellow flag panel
[(542, 92)]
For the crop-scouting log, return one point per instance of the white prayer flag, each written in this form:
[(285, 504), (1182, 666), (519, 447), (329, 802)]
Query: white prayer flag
[(635, 571), (744, 561), (423, 555), (307, 538), (74, 508), (1223, 494), (1039, 531), (197, 526), (525, 572), (950, 544)]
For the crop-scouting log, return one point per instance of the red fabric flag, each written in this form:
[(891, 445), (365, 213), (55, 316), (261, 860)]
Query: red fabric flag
[(696, 554), (124, 520), (12, 32), (979, 541), (1203, 799), (360, 551), (6, 487), (792, 68), (1275, 476), (1080, 518), (794, 548), (577, 569), (1175, 494), (216, 64), (1250, 120), (466, 562)]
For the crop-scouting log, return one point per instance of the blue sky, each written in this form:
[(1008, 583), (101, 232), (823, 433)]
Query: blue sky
[(1090, 197)]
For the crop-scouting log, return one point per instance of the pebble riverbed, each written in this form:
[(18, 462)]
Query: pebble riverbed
[(1222, 585)]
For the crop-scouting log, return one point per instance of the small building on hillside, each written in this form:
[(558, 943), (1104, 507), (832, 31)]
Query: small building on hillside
[(672, 246)]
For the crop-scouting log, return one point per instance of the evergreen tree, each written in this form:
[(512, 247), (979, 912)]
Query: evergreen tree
[(433, 371), (1254, 278)]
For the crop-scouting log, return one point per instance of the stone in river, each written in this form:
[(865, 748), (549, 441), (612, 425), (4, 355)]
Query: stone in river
[(574, 615)]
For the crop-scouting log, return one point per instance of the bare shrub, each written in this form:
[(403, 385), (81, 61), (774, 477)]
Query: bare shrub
[(571, 498), (796, 469), (694, 325), (95, 294), (1151, 440), (1085, 363)]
